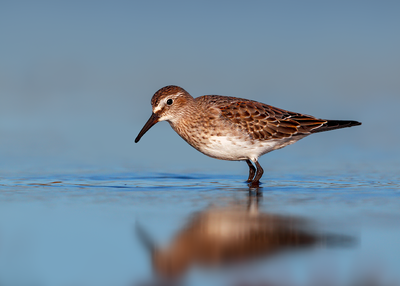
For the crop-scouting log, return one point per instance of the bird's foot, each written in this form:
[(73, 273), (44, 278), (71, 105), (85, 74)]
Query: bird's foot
[(254, 184)]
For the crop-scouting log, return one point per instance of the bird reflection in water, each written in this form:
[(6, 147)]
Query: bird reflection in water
[(220, 236)]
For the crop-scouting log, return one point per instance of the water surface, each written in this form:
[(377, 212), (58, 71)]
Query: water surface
[(81, 228)]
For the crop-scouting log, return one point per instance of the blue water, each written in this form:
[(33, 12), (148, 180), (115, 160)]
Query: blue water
[(80, 228)]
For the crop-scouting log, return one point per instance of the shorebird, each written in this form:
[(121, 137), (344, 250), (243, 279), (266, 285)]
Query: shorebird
[(230, 128)]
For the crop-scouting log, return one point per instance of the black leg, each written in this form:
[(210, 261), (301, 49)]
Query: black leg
[(259, 173), (252, 171)]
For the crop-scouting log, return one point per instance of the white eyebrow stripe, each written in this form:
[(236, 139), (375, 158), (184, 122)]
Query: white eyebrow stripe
[(173, 96), (162, 103)]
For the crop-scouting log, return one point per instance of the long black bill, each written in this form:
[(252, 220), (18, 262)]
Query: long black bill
[(152, 120)]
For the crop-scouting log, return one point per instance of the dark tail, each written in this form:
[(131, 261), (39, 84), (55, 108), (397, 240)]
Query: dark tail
[(335, 124)]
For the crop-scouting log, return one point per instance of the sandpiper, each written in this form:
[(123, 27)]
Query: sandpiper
[(230, 128)]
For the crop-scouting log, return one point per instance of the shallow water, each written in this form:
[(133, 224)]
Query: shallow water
[(96, 229)]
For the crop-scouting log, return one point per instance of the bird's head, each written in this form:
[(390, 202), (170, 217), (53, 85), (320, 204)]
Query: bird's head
[(168, 104)]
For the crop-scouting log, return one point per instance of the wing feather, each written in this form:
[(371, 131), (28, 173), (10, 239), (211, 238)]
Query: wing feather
[(262, 121)]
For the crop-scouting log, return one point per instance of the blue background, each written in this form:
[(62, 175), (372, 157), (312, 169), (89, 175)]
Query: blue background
[(76, 78)]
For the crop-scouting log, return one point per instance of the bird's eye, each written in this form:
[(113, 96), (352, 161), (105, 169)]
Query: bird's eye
[(169, 101)]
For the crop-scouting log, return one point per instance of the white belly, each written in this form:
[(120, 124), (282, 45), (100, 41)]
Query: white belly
[(236, 148)]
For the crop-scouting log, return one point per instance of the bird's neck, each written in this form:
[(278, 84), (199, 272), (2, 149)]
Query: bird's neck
[(188, 114)]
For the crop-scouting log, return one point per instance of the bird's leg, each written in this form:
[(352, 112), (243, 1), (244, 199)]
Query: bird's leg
[(259, 173), (252, 171)]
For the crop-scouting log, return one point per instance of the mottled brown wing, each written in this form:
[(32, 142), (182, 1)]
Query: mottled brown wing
[(265, 122)]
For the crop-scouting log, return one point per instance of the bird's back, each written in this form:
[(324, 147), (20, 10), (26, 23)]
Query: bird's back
[(264, 122)]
